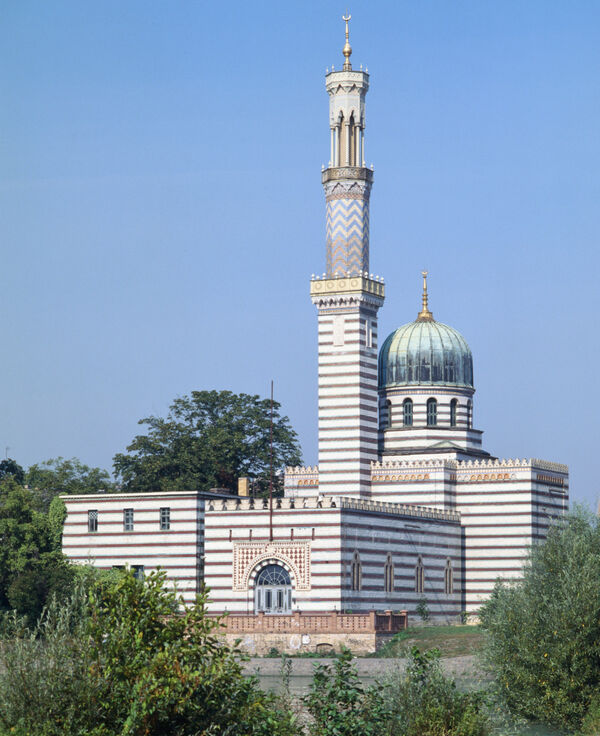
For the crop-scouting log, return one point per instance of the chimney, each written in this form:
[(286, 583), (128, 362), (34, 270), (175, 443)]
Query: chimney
[(243, 486)]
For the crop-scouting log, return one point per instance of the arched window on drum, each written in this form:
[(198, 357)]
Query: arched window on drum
[(453, 407), (431, 412), (407, 412)]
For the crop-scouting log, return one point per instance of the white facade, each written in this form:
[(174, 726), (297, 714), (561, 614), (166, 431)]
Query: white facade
[(144, 531)]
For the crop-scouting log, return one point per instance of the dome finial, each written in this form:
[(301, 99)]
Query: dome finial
[(347, 47), (425, 315)]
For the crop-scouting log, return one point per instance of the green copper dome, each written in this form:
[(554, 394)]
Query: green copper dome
[(425, 352)]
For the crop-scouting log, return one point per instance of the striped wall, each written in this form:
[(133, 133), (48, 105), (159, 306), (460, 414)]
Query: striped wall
[(334, 529), (347, 410), (505, 506), (230, 523), (503, 518), (178, 550), (433, 537)]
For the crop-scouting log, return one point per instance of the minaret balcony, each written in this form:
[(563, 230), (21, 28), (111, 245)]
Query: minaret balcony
[(337, 173)]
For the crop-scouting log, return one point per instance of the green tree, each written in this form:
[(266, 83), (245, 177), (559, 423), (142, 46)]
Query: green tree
[(209, 439), (32, 566), (123, 661), (543, 632), (58, 475), (9, 468)]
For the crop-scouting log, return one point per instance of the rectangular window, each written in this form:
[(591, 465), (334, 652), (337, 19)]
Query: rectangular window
[(138, 571), (165, 519), (127, 520), (93, 521)]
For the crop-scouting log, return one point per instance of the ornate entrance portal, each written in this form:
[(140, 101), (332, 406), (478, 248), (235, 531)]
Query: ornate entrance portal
[(273, 590)]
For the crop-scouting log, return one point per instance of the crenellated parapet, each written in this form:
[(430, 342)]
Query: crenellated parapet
[(486, 471), (279, 504), (399, 509)]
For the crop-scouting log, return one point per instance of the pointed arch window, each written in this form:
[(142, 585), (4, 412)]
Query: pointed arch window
[(389, 413), (431, 412), (453, 406), (449, 578), (356, 573), (407, 412), (388, 574), (419, 576)]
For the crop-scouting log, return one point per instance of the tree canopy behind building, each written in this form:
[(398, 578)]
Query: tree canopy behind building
[(208, 440)]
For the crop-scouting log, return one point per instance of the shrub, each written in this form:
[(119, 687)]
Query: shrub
[(423, 609), (424, 702), (543, 632), (340, 706)]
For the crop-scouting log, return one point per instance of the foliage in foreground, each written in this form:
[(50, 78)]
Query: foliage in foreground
[(420, 702), (543, 632), (425, 702), (120, 662), (340, 706), (209, 439)]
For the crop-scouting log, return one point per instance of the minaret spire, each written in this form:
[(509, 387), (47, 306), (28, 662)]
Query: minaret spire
[(425, 315), (347, 47)]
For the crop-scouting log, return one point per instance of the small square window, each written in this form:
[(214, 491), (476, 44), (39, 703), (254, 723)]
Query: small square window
[(138, 571), (93, 521), (127, 520), (165, 519)]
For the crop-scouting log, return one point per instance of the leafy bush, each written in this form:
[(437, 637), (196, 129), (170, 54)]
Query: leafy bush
[(121, 661), (424, 702), (543, 632), (423, 609), (340, 706)]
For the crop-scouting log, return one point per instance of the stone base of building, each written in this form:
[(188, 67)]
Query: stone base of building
[(264, 645), (322, 633)]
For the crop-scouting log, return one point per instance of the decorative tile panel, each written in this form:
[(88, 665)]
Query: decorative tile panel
[(295, 556)]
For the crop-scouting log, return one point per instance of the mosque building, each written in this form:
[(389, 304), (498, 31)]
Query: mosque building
[(405, 506)]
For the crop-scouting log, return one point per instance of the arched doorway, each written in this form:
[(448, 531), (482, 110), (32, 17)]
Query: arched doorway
[(273, 590)]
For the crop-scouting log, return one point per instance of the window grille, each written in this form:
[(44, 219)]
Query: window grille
[(407, 409), (127, 520), (93, 521), (165, 519), (431, 412)]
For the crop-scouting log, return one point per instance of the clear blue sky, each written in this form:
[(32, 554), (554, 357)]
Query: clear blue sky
[(161, 208)]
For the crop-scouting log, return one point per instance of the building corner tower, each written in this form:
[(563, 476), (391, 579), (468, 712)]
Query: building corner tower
[(347, 297)]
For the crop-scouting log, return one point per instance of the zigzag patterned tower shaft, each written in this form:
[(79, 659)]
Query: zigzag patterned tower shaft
[(347, 227)]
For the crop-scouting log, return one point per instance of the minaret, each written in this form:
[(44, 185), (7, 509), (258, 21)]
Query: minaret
[(347, 297)]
